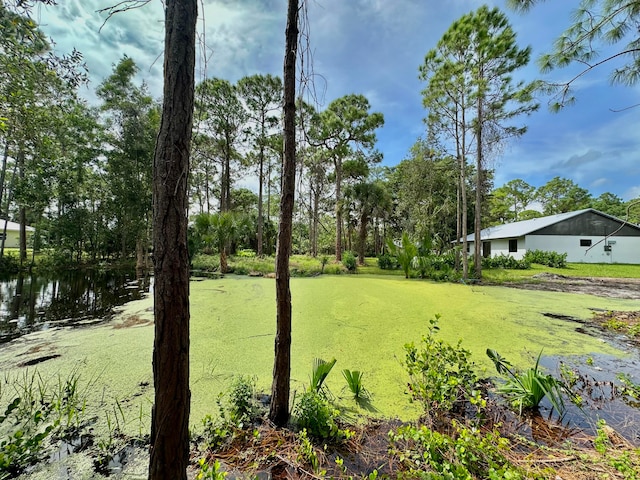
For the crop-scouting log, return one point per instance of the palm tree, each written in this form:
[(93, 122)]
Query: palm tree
[(217, 230), (367, 199)]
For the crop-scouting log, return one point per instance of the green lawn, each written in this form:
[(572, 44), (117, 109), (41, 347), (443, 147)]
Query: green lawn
[(361, 320), (303, 265)]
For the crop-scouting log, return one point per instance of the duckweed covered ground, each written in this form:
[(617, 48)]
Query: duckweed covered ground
[(363, 321)]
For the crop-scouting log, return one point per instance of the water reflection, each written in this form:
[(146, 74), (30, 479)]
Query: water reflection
[(32, 302)]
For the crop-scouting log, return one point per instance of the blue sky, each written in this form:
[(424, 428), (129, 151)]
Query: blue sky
[(374, 47)]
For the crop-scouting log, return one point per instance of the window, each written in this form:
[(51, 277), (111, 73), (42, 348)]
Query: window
[(585, 242), (513, 245)]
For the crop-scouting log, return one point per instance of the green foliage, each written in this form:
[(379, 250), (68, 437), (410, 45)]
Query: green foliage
[(526, 390), (314, 413), (24, 440), (442, 377), (321, 370), (246, 253), (404, 253), (36, 412), (506, 261), (560, 195), (601, 441), (468, 454), (324, 259), (387, 262), (9, 264), (242, 406), (349, 261), (217, 430), (210, 472), (550, 259), (354, 383), (236, 409), (629, 388), (306, 451)]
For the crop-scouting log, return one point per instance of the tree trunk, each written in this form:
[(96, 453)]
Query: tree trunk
[(22, 213), (463, 195), (170, 413), (279, 407), (362, 238), (338, 167), (260, 213), (3, 173), (316, 203), (23, 235), (477, 243)]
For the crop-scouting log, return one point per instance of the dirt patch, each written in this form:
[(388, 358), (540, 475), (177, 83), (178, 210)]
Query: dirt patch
[(628, 288), (132, 321)]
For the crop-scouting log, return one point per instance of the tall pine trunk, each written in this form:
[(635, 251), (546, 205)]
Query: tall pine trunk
[(338, 168), (279, 407), (477, 242), (170, 417)]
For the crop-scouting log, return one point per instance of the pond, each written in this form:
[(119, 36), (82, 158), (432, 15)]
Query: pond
[(36, 302)]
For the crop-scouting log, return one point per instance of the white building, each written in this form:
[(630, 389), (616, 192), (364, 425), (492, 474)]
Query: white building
[(586, 236), (12, 239)]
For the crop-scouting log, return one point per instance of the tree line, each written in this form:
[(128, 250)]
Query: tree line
[(82, 175)]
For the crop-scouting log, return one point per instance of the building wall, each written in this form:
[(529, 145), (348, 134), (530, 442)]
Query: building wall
[(501, 247), (625, 249), (13, 239)]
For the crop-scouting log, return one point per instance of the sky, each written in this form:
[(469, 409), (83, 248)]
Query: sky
[(374, 48)]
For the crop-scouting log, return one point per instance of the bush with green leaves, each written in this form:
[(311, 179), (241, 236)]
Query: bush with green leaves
[(236, 409), (314, 413), (550, 259), (525, 390), (349, 261), (506, 261), (242, 404), (442, 376), (9, 263), (387, 262), (467, 454)]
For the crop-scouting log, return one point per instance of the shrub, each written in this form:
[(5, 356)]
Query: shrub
[(9, 264), (506, 261), (387, 262), (442, 377), (315, 414), (242, 407), (246, 252), (349, 261), (550, 259), (466, 454)]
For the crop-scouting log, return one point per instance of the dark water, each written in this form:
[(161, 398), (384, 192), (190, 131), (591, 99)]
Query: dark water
[(31, 302)]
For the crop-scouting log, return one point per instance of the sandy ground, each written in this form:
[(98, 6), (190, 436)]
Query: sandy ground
[(628, 288)]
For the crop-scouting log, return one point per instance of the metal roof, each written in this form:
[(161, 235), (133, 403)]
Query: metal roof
[(520, 229), (13, 226)]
